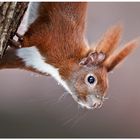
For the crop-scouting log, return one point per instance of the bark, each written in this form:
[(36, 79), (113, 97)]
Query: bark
[(11, 14)]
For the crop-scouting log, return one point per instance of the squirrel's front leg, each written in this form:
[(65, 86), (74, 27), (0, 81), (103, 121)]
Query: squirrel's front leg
[(19, 58)]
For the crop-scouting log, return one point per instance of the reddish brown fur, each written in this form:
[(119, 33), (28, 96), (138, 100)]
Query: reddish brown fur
[(110, 40), (115, 59), (102, 84)]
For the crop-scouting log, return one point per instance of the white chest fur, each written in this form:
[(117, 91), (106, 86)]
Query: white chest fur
[(32, 58)]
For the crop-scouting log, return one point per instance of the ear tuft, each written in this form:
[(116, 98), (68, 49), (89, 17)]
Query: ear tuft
[(110, 40), (116, 58)]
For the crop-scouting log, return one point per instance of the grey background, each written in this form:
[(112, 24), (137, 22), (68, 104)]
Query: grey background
[(30, 105)]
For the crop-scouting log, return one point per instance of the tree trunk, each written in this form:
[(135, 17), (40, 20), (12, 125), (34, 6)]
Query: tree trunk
[(11, 14)]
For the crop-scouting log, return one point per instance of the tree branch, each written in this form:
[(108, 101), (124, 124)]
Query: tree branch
[(11, 14)]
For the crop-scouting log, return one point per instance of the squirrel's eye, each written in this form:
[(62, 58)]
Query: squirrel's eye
[(91, 79)]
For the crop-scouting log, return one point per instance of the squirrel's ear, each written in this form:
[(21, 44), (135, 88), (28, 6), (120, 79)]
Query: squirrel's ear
[(93, 58), (110, 40), (116, 58)]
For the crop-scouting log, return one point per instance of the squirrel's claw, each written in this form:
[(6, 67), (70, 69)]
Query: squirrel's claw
[(14, 44)]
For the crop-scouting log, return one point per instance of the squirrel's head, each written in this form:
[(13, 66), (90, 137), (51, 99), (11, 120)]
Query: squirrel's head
[(89, 79)]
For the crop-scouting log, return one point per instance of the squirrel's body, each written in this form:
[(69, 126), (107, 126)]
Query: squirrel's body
[(60, 25), (55, 44)]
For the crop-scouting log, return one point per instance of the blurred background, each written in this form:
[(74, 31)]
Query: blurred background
[(32, 105)]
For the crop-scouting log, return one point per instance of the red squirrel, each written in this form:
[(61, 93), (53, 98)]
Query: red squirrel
[(55, 44)]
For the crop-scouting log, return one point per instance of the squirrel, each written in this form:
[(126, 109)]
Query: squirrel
[(55, 44)]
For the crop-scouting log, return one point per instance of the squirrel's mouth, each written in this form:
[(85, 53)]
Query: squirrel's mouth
[(92, 102)]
